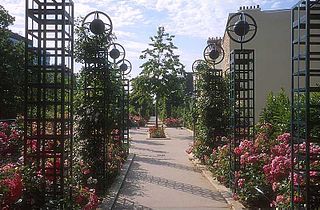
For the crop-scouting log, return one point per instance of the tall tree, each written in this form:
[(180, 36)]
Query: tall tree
[(11, 69), (163, 72)]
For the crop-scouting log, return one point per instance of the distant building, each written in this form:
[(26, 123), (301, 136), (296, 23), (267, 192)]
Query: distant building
[(272, 45), (16, 38)]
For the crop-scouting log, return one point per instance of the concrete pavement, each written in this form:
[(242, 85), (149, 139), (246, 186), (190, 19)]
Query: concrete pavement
[(162, 177)]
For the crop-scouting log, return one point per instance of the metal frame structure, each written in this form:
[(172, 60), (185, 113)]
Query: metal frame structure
[(194, 96), (305, 127), (96, 93), (108, 105), (241, 93), (48, 116), (125, 114), (125, 69), (241, 28)]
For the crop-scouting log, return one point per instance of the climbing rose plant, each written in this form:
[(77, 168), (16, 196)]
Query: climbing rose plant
[(265, 166)]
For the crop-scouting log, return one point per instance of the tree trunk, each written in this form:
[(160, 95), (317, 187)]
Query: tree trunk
[(156, 112)]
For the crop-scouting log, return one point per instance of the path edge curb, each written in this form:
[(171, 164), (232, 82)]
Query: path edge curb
[(113, 192), (224, 191)]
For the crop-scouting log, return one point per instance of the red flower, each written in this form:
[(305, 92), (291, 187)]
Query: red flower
[(241, 182), (50, 173), (14, 187), (297, 199), (237, 151), (4, 126)]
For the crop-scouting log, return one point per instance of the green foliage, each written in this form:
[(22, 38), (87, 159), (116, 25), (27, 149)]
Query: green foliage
[(5, 18), (141, 102), (162, 74), (98, 112), (219, 164), (11, 70), (277, 112), (211, 109)]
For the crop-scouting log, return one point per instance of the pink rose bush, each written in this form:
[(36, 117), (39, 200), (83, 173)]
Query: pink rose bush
[(263, 178), (10, 141), (86, 199), (220, 164), (11, 185), (250, 180), (172, 122)]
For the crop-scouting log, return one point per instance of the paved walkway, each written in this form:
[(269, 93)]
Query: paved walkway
[(162, 177)]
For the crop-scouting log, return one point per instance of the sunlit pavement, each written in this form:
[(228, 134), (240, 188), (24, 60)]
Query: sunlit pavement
[(162, 177)]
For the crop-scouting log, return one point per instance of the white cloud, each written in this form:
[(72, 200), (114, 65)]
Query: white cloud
[(131, 19), (200, 18)]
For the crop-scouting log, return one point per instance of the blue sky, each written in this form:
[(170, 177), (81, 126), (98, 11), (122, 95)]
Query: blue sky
[(135, 21)]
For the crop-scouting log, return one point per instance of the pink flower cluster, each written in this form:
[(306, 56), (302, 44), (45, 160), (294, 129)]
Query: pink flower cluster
[(245, 146), (10, 139), (265, 158), (87, 199), (11, 186), (278, 168), (172, 122)]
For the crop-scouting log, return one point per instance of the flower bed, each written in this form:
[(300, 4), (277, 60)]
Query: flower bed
[(155, 132), (172, 122), (263, 179), (10, 142), (11, 185), (137, 121), (21, 187)]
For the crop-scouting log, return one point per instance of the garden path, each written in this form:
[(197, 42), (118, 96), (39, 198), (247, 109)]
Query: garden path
[(162, 177)]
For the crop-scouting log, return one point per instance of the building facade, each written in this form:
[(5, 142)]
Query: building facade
[(272, 53)]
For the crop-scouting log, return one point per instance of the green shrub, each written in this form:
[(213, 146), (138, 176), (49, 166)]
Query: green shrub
[(277, 112)]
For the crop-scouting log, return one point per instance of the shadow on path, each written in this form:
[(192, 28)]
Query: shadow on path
[(124, 203), (148, 142), (133, 187), (180, 186), (145, 149), (165, 163), (134, 131)]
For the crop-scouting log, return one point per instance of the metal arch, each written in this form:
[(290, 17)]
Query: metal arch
[(208, 54), (125, 67), (116, 53), (244, 17), (95, 14)]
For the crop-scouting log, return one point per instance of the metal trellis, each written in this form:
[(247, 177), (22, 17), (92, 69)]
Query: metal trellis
[(305, 105), (48, 126)]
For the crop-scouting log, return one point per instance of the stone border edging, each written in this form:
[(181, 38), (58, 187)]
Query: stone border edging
[(113, 192), (191, 131), (224, 191)]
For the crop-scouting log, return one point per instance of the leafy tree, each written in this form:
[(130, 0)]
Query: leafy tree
[(140, 102), (11, 69), (162, 72)]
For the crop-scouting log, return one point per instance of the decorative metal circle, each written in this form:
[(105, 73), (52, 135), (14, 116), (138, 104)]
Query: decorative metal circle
[(97, 23), (213, 54), (126, 67), (116, 53), (241, 27), (195, 65)]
